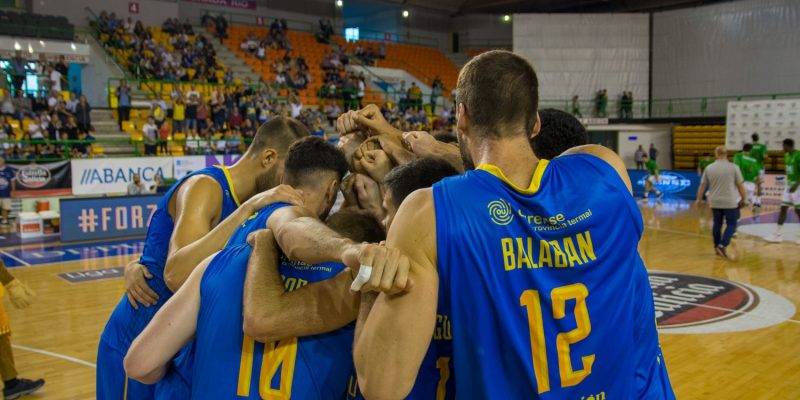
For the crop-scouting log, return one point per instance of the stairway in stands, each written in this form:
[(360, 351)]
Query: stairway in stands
[(106, 127), (458, 59)]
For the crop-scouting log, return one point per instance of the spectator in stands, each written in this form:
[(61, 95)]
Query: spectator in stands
[(415, 95), (221, 28), (55, 78), (235, 120), (63, 69), (83, 115), (19, 69), (248, 129), (123, 102), (71, 103), (218, 110), (202, 117), (163, 138), (192, 100), (158, 110), (8, 182), (179, 115), (361, 89), (437, 87), (7, 106), (332, 111), (233, 142), (150, 131)]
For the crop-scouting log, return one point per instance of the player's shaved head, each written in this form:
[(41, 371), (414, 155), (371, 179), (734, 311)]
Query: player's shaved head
[(269, 147), (747, 147), (721, 152), (500, 93), (279, 133), (559, 132), (357, 225)]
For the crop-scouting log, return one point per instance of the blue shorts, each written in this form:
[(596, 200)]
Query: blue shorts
[(177, 381), (112, 384)]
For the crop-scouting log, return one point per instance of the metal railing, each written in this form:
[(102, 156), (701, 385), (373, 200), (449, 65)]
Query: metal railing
[(25, 150)]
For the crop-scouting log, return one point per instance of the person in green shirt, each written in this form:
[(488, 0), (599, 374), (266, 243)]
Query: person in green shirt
[(704, 162), (652, 178), (759, 152), (791, 196), (751, 172)]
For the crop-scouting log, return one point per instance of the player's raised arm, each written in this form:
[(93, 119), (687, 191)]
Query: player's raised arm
[(271, 313), (303, 237), (172, 328), (606, 155), (193, 239), (395, 336)]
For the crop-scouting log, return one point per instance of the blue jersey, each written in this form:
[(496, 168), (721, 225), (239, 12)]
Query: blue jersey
[(126, 323), (543, 287), (256, 222), (228, 364)]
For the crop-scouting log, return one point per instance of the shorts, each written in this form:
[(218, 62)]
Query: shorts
[(791, 199), (111, 382), (5, 204), (750, 190), (652, 179)]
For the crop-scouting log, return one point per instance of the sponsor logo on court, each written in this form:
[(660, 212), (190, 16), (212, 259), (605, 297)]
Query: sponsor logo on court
[(670, 182), (33, 176), (699, 304), (92, 275), (500, 212)]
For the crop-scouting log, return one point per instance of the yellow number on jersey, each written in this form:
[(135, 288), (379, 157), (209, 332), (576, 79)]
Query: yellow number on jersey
[(443, 363), (276, 354), (531, 301)]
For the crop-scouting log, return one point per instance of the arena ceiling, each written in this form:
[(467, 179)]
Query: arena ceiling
[(457, 7)]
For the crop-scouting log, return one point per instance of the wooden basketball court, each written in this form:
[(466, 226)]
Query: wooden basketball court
[(56, 338)]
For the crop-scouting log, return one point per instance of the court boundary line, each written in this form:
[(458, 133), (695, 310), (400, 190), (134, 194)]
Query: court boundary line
[(667, 230), (55, 355), (15, 258)]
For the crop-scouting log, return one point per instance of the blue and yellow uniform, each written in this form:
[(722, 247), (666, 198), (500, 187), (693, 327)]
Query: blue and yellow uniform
[(126, 322), (228, 364), (543, 286)]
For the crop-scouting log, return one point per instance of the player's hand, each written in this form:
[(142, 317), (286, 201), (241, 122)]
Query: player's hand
[(389, 268), (349, 145), (376, 164), (264, 239), (278, 194), (349, 191), (370, 197), (136, 288), (394, 147), (21, 295), (742, 203), (346, 124), (420, 143), (370, 117), (699, 203)]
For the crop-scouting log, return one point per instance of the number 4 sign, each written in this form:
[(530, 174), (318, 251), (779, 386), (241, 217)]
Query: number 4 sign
[(133, 7)]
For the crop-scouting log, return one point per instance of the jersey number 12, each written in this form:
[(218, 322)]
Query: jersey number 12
[(531, 301)]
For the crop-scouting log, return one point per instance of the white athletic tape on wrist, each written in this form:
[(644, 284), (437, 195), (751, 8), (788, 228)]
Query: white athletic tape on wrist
[(364, 273)]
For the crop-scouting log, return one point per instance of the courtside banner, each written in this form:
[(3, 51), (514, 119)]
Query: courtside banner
[(184, 165), (112, 175), (681, 184), (106, 217), (42, 176), (772, 188)]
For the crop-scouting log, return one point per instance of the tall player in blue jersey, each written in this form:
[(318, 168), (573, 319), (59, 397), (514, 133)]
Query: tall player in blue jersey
[(534, 263), (193, 220)]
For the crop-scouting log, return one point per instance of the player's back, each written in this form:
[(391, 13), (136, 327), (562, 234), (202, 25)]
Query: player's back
[(543, 286), (228, 364), (759, 152), (748, 165)]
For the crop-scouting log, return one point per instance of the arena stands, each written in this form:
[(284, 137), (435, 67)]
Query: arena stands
[(35, 25)]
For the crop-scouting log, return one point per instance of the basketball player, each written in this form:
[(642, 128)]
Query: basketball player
[(791, 196), (759, 152), (651, 180), (560, 132), (533, 263), (193, 220), (751, 172)]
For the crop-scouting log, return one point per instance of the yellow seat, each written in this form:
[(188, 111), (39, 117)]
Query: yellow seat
[(179, 136), (128, 126), (137, 137), (98, 150)]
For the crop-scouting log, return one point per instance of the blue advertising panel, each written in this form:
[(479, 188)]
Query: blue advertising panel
[(106, 217), (682, 184)]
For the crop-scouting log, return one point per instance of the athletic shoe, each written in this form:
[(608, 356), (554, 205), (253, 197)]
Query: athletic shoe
[(774, 238), (723, 252), (718, 251), (23, 387)]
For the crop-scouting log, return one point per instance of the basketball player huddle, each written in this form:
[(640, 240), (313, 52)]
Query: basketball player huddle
[(501, 267)]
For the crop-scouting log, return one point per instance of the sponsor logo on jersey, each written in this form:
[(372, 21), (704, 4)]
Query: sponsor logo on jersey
[(699, 304), (500, 212)]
